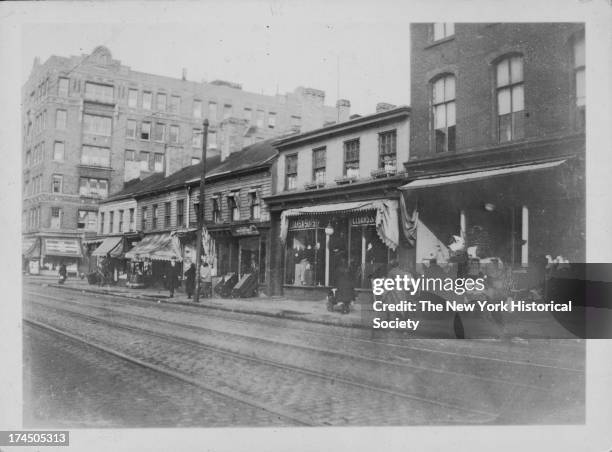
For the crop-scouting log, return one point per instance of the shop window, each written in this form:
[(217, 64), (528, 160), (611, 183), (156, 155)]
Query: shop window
[(579, 82), (233, 204), (197, 109), (180, 213), (510, 99), (387, 151), (443, 105), (351, 158), (145, 131), (216, 209), (155, 216), (305, 253), (56, 218), (132, 98), (58, 150), (147, 99), (319, 161), (291, 172), (60, 119), (95, 156), (57, 183), (162, 101), (97, 125), (167, 207), (159, 132), (254, 206), (130, 129), (441, 30)]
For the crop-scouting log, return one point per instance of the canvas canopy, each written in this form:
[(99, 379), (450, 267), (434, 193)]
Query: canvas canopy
[(159, 247)]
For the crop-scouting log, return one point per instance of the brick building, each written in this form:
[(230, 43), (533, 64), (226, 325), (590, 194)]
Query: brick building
[(497, 140), (91, 123)]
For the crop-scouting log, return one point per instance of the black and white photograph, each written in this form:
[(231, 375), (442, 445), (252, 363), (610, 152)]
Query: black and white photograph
[(281, 225)]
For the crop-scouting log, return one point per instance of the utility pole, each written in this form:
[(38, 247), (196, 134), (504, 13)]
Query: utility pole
[(198, 286)]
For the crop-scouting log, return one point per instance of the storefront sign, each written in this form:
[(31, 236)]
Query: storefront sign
[(57, 247), (242, 231), (363, 220), (303, 223)]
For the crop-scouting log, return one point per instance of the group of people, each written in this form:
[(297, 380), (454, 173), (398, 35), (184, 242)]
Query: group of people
[(172, 278)]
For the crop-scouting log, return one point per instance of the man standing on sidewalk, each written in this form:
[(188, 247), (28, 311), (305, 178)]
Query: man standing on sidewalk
[(172, 273)]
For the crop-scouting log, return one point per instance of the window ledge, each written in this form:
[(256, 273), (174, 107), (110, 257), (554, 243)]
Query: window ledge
[(439, 41)]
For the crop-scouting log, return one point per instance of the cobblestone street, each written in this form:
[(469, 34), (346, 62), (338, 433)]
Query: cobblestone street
[(104, 360)]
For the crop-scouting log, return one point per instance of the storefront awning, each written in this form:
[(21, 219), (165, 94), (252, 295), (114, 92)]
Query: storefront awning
[(159, 247), (478, 175), (30, 248), (110, 246), (62, 247), (386, 217)]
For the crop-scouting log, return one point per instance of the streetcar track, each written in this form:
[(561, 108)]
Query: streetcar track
[(196, 328), (327, 334), (266, 362), (236, 397)]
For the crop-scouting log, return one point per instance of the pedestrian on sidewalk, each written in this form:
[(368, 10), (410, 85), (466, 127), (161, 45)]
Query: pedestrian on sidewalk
[(206, 280), (172, 274), (63, 273), (190, 280)]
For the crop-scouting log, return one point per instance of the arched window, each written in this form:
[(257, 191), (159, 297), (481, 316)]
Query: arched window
[(443, 111), (510, 99), (579, 81)]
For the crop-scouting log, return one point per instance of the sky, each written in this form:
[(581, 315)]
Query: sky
[(272, 47)]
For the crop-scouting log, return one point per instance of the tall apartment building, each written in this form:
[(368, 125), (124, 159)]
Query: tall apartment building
[(91, 123), (497, 141)]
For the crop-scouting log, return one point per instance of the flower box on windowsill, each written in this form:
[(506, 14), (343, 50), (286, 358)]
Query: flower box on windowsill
[(382, 172), (313, 185), (345, 180)]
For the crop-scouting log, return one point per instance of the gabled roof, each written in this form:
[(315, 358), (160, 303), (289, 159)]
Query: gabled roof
[(254, 156), (135, 186)]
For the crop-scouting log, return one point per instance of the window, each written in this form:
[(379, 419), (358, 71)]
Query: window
[(212, 111), (132, 225), (167, 207), (351, 158), (227, 111), (60, 119), (291, 172), (443, 105), (387, 151), (296, 122), (56, 185), (260, 118), (579, 82), (97, 125), (216, 209), (62, 86), (158, 163), (56, 218), (175, 104), (248, 115), (96, 188), (146, 161), (196, 138), (101, 222), (58, 150), (197, 109), (180, 213), (145, 131), (254, 208), (130, 129), (319, 158), (510, 99), (147, 99), (195, 160), (95, 156), (120, 218), (130, 155), (155, 216), (212, 140), (234, 208), (111, 222), (100, 92), (87, 220), (159, 132), (162, 101), (132, 98), (441, 30), (144, 218), (174, 134), (271, 120)]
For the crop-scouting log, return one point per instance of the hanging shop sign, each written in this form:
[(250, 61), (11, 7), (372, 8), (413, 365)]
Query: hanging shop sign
[(363, 220), (303, 223), (244, 231)]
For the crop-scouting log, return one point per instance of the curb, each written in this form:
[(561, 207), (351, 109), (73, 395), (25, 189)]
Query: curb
[(166, 299)]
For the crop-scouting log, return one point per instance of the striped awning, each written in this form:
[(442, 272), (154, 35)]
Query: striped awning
[(159, 247), (62, 247), (30, 248), (112, 246)]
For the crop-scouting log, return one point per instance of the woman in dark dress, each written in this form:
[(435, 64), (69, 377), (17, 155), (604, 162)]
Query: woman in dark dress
[(190, 280)]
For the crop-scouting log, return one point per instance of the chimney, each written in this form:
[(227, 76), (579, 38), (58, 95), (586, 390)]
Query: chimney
[(343, 107), (230, 136), (383, 106), (184, 77)]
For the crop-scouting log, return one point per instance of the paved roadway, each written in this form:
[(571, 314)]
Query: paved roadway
[(98, 360)]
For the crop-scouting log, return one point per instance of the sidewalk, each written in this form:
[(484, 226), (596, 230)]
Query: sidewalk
[(280, 307)]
